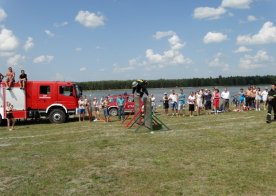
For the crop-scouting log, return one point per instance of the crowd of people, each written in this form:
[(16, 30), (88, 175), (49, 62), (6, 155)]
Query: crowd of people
[(214, 101)]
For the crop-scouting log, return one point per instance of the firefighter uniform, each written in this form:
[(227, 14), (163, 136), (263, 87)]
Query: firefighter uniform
[(140, 86), (271, 103)]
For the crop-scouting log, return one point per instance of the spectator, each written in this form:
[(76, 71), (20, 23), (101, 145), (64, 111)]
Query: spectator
[(121, 106), (225, 95), (81, 109), (248, 98), (173, 98), (22, 79), (10, 117), (216, 100), (241, 100), (89, 108), (181, 102), (191, 102), (264, 97), (10, 78), (105, 109), (95, 109), (166, 103), (207, 99), (153, 104), (199, 101), (258, 98)]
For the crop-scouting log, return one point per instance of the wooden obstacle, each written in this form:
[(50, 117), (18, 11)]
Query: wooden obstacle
[(144, 116)]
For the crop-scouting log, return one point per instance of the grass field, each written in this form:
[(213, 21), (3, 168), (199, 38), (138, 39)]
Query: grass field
[(225, 154)]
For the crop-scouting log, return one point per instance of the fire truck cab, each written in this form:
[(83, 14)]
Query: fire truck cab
[(53, 100)]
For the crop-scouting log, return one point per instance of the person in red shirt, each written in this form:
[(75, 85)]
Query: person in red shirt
[(216, 100)]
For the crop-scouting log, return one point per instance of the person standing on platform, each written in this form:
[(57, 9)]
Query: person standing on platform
[(140, 87)]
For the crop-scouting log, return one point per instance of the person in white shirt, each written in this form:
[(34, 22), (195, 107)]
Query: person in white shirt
[(173, 99), (199, 101), (81, 109), (264, 95), (153, 105), (258, 98), (225, 95), (191, 102)]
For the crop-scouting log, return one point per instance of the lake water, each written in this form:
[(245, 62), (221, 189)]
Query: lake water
[(159, 92)]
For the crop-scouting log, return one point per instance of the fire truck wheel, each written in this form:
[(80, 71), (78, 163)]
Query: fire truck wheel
[(57, 116), (113, 112)]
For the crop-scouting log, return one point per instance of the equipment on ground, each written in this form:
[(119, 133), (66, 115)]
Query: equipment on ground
[(144, 116)]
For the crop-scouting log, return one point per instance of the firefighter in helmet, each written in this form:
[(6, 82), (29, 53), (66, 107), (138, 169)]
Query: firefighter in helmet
[(271, 103), (140, 86)]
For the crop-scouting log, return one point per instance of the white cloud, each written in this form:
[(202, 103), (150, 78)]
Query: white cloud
[(3, 15), (88, 19), (251, 18), (78, 49), (28, 44), (170, 57), (217, 63), (63, 24), (16, 60), (121, 69), (83, 69), (261, 59), (173, 56), (43, 59), (267, 34), (8, 41), (242, 49), (49, 33), (238, 4), (214, 37), (6, 53), (209, 13), (161, 34)]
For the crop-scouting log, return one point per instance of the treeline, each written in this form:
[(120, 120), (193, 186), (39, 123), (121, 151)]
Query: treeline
[(192, 82)]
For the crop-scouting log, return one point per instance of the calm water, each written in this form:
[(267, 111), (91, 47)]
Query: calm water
[(159, 92)]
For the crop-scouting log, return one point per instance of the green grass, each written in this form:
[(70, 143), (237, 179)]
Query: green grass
[(225, 154)]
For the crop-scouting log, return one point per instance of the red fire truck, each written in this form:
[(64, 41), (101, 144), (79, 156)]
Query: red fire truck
[(41, 99)]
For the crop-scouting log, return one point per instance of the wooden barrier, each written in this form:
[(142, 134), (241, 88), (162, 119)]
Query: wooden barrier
[(143, 116)]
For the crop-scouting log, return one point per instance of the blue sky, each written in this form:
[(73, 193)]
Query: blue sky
[(91, 40)]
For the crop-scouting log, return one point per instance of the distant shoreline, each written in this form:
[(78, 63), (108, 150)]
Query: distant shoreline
[(172, 83)]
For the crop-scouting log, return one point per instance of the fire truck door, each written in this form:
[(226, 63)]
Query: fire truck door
[(17, 98)]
